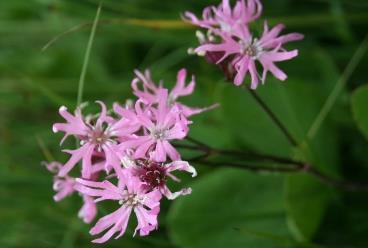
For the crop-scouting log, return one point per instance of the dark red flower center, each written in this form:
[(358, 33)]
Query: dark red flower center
[(151, 173)]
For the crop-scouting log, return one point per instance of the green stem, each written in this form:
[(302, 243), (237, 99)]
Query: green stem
[(87, 56), (273, 117), (336, 91), (289, 165)]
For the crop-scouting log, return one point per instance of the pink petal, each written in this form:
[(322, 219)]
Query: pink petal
[(159, 153), (279, 74), (64, 188), (226, 7), (289, 37), (118, 219), (111, 153), (243, 67), (182, 166), (146, 221), (171, 151), (88, 211), (228, 47), (253, 74), (104, 190), (77, 155), (87, 162), (281, 56), (179, 131), (171, 196), (180, 82), (142, 149), (272, 34), (74, 126), (162, 110), (152, 199)]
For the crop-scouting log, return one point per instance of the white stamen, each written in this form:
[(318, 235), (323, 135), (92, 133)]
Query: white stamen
[(251, 48), (129, 104), (159, 134), (128, 162), (191, 51), (201, 37), (132, 199), (210, 36)]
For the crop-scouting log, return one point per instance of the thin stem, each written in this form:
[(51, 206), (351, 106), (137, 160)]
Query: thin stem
[(86, 57), (336, 91), (344, 185), (154, 24), (273, 117), (199, 143), (293, 166), (241, 154), (253, 168), (61, 35)]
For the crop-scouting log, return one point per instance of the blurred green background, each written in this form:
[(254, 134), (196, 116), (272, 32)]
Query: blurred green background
[(228, 207)]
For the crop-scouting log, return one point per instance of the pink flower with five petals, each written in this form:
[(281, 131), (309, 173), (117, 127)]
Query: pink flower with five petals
[(161, 124), (65, 186), (132, 196), (148, 92), (230, 44), (98, 137), (243, 51)]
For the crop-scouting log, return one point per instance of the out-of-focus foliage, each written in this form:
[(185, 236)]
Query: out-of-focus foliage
[(360, 109), (227, 207), (232, 214)]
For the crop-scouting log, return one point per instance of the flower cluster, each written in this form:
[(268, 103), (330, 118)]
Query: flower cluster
[(126, 155), (231, 45)]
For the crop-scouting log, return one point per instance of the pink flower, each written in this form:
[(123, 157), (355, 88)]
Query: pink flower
[(230, 44), (149, 91), (225, 18), (88, 211), (243, 51), (65, 186), (98, 137), (132, 197), (154, 175), (161, 124)]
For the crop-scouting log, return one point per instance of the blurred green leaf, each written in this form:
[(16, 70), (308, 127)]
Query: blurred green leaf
[(306, 201), (133, 35), (225, 202), (360, 108), (252, 127), (248, 125)]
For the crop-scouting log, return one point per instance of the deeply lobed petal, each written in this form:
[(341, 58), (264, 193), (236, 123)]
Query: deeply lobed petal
[(118, 222), (89, 210)]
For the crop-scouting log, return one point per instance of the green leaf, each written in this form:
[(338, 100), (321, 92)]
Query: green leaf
[(230, 208), (306, 201), (248, 124), (252, 128), (360, 108), (307, 198)]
